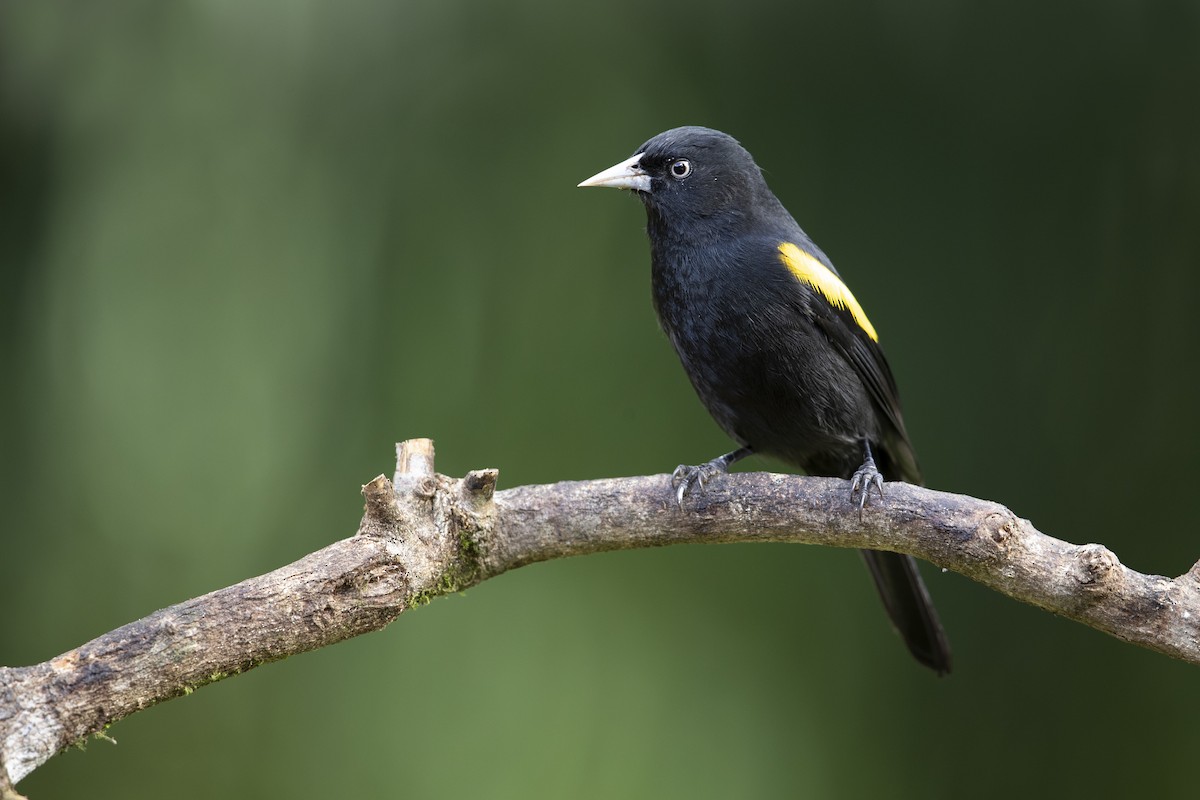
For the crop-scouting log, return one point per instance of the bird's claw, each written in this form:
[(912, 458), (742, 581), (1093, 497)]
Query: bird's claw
[(687, 476), (866, 477)]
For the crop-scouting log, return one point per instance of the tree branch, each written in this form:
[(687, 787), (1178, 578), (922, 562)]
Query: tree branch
[(424, 535)]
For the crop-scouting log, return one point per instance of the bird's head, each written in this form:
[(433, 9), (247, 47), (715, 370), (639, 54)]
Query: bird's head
[(690, 174)]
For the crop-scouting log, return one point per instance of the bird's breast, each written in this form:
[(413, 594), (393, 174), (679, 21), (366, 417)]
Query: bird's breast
[(741, 327)]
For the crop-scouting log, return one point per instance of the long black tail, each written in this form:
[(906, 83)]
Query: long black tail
[(909, 607)]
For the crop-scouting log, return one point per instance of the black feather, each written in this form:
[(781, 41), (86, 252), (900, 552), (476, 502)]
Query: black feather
[(782, 369)]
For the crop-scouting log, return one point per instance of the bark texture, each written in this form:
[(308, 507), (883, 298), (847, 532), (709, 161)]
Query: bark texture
[(424, 534)]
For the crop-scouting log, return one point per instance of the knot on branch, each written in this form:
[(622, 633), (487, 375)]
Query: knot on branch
[(479, 485), (1095, 566), (1000, 527), (380, 511), (438, 527), (1004, 536)]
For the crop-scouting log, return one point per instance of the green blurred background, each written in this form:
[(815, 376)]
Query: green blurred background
[(247, 246)]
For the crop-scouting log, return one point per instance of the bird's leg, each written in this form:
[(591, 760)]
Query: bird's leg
[(867, 476), (685, 477)]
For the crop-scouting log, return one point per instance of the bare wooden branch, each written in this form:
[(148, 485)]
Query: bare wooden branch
[(424, 535)]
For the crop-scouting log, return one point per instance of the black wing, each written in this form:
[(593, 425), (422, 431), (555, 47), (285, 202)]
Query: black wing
[(835, 311)]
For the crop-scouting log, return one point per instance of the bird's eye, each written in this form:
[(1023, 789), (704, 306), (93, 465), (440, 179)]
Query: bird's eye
[(681, 168)]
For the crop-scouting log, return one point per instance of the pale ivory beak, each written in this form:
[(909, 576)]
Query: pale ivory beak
[(626, 175)]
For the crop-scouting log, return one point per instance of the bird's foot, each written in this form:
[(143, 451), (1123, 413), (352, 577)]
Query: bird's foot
[(685, 477), (867, 476)]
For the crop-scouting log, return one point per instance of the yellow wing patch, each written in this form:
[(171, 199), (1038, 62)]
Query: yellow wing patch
[(820, 277)]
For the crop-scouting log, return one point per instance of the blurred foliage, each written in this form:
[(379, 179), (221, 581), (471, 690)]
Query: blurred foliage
[(244, 247)]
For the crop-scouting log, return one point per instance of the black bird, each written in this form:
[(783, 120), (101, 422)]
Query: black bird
[(778, 349)]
